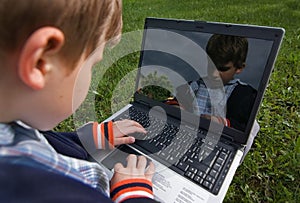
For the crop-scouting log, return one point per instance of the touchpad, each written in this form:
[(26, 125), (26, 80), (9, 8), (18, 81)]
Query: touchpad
[(119, 155)]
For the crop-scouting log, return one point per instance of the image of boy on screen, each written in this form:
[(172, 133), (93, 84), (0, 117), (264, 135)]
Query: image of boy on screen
[(228, 53)]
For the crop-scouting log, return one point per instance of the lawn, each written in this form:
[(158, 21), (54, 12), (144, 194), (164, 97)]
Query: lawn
[(271, 170)]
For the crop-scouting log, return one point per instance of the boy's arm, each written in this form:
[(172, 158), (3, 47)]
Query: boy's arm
[(77, 144), (106, 135), (129, 184), (31, 177), (25, 180)]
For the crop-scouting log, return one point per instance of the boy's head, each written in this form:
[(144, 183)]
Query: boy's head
[(43, 45), (82, 22), (228, 53)]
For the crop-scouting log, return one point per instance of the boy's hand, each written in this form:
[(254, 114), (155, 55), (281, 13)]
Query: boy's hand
[(126, 127), (135, 169), (217, 119)]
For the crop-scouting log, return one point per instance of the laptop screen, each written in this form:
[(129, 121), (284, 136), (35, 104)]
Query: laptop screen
[(216, 72)]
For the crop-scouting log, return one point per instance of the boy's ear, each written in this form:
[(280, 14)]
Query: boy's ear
[(34, 62), (240, 69)]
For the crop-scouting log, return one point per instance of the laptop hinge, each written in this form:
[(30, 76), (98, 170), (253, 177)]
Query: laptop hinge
[(141, 102), (227, 138)]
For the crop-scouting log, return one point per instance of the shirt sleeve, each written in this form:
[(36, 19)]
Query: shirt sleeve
[(95, 135), (131, 189)]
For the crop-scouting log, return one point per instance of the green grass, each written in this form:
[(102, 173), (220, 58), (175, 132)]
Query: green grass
[(270, 172)]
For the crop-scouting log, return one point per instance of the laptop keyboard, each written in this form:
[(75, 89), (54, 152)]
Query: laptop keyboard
[(183, 151)]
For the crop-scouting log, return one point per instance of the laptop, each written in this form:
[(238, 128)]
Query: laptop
[(196, 154)]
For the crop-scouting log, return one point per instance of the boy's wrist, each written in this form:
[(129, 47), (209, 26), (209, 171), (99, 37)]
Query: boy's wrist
[(131, 188), (103, 135), (96, 135), (224, 121)]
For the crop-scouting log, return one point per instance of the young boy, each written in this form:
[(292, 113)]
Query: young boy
[(47, 49), (228, 54)]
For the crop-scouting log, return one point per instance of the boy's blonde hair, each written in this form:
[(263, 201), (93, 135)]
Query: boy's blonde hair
[(83, 23)]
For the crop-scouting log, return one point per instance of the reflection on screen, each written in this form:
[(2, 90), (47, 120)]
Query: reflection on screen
[(205, 74)]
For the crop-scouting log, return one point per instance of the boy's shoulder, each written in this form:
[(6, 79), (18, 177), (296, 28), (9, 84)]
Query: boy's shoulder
[(243, 92), (29, 177), (241, 86)]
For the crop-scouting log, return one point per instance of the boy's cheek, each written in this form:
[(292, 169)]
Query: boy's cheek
[(81, 86), (83, 78)]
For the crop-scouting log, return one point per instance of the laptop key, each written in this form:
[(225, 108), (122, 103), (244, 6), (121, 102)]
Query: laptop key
[(210, 179), (210, 159), (201, 174), (220, 161), (223, 155), (163, 155), (171, 159), (193, 169), (203, 168), (213, 173), (189, 174), (208, 185), (216, 189), (198, 179), (177, 170), (217, 167), (182, 166), (189, 161)]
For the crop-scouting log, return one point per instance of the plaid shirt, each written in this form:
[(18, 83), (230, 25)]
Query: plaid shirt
[(204, 104), (33, 144)]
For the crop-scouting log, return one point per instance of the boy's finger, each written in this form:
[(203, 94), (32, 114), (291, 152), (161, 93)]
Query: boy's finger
[(118, 167), (131, 161), (142, 162), (133, 123), (124, 140), (131, 128), (137, 124), (150, 170)]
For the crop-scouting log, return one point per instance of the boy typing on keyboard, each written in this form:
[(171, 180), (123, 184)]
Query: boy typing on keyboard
[(47, 52)]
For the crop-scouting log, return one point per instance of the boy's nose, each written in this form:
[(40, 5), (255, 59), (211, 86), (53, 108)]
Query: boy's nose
[(214, 73)]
